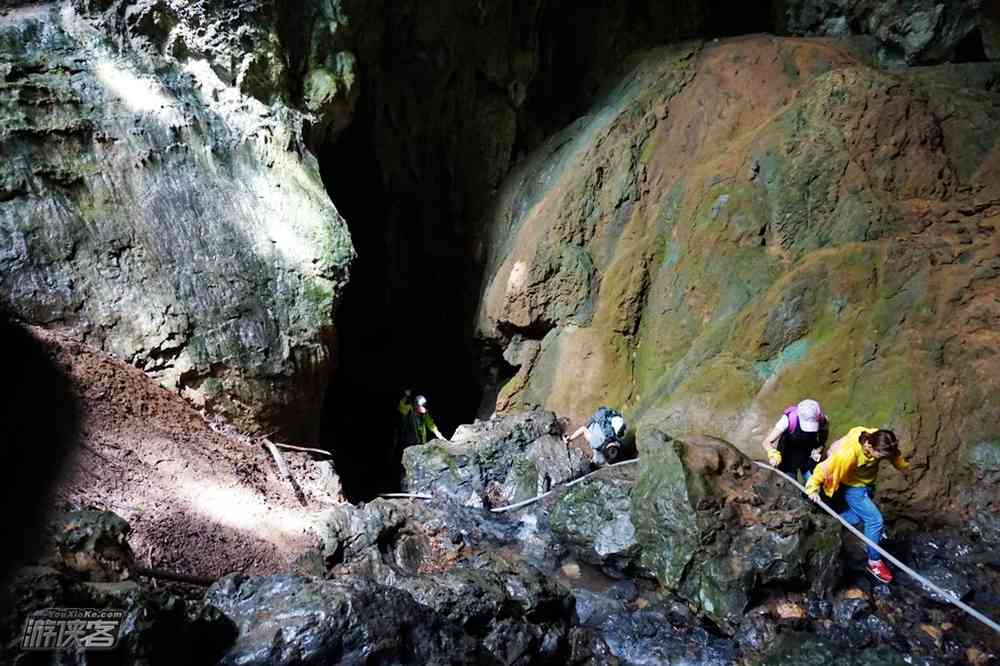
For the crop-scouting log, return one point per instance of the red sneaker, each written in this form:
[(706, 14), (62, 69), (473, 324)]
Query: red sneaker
[(880, 571)]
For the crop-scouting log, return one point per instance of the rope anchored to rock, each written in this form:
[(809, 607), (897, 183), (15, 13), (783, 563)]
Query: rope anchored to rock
[(951, 597), (518, 505)]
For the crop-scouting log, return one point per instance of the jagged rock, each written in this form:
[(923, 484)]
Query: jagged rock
[(715, 529), (819, 609), (917, 32), (286, 619), (586, 647), (756, 634), (507, 460), (951, 561), (595, 516), (93, 545), (847, 611), (516, 611), (646, 635), (349, 535), (149, 207), (804, 650)]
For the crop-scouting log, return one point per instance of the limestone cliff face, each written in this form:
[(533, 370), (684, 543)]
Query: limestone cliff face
[(157, 200), (741, 225)]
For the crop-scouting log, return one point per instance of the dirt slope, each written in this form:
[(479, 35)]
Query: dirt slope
[(199, 500)]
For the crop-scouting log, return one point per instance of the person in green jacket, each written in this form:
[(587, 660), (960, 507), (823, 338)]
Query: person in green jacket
[(417, 423)]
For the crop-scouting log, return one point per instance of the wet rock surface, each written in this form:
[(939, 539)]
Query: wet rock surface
[(595, 518), (290, 619)]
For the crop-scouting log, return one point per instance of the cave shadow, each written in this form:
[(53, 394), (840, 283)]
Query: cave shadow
[(41, 418), (403, 322)]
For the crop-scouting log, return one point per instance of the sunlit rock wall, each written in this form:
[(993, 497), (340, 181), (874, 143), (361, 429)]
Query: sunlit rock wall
[(157, 200)]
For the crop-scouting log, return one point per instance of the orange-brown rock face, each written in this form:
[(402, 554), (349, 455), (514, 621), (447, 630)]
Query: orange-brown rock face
[(746, 223)]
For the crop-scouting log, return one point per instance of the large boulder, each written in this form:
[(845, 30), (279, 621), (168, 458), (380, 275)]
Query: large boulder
[(717, 530), (828, 229), (489, 611), (594, 517), (164, 208), (495, 462), (286, 619)]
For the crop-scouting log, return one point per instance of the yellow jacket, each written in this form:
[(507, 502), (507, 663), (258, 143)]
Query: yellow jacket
[(847, 464)]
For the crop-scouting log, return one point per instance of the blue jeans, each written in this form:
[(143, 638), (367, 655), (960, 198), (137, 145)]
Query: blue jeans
[(861, 509)]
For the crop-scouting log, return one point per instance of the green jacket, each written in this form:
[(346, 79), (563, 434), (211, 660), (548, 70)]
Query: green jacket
[(416, 428)]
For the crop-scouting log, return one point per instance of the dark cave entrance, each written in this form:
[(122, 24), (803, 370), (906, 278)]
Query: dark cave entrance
[(403, 321)]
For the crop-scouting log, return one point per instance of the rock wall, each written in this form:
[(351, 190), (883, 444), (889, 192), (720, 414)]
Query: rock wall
[(163, 203), (905, 32), (157, 200), (736, 226)]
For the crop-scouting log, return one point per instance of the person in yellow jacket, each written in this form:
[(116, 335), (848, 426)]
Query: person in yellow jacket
[(851, 467)]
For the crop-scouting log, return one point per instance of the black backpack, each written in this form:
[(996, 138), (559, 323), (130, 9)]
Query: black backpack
[(603, 416)]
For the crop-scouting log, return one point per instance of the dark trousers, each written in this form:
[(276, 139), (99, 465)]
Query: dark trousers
[(795, 460)]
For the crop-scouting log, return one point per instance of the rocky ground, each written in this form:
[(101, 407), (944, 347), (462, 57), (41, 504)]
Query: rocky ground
[(689, 555)]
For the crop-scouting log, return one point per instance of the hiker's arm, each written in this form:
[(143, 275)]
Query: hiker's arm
[(816, 480), (771, 441), (576, 433)]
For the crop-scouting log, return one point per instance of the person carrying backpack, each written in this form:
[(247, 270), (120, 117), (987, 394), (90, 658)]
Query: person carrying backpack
[(604, 432), (796, 442), (847, 476)]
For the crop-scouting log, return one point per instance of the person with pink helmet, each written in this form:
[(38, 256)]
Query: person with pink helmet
[(795, 443)]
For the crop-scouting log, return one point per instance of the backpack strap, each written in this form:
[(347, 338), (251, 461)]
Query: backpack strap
[(792, 413)]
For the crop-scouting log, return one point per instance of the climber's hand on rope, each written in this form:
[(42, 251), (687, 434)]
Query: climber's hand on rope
[(814, 497), (773, 457)]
